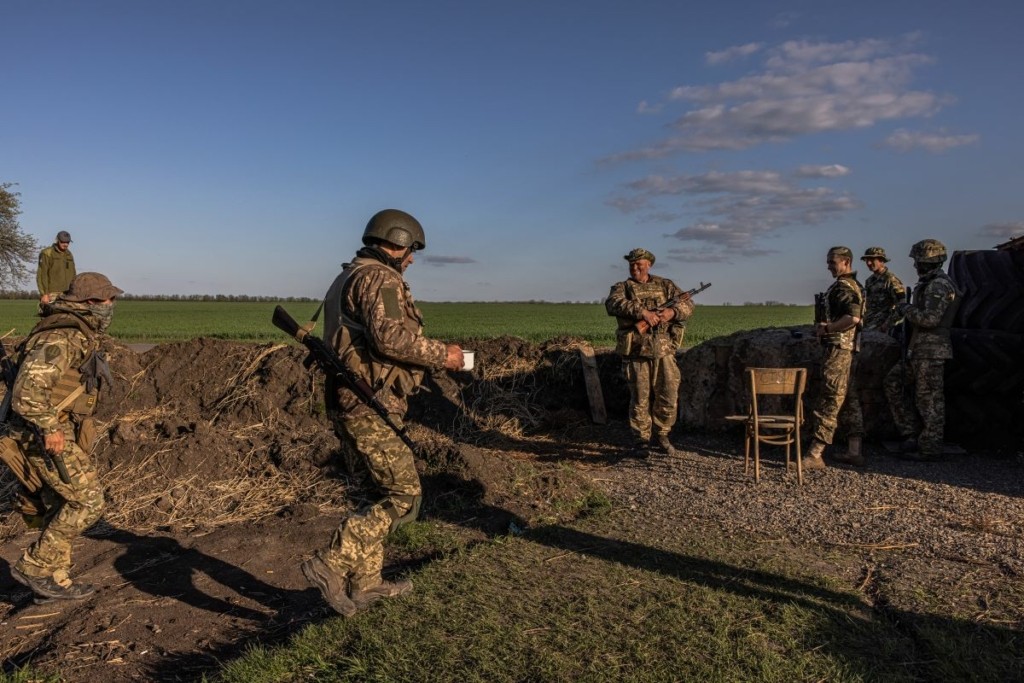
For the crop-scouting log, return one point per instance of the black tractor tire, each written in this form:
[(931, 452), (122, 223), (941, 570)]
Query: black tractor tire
[(992, 286), (986, 363)]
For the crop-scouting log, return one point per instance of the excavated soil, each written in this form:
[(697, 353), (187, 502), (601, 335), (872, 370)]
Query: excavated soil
[(221, 476)]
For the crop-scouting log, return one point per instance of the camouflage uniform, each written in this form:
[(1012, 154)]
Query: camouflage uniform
[(839, 398), (930, 316), (648, 360), (882, 292), (372, 322), (56, 392)]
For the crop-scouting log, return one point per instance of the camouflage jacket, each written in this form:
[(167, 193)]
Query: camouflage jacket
[(930, 314), (56, 270), (628, 300), (882, 292), (373, 323), (48, 373), (844, 297)]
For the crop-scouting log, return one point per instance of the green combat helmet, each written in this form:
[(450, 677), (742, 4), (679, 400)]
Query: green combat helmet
[(397, 227), (928, 251)]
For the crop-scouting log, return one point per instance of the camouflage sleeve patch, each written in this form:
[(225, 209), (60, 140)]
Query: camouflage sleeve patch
[(392, 307)]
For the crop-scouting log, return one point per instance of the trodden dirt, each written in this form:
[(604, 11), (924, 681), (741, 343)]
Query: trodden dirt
[(221, 478)]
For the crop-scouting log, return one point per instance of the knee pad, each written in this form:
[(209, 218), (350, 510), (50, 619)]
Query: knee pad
[(412, 506)]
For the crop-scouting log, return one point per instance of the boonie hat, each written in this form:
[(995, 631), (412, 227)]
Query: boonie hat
[(639, 254), (87, 286), (63, 236), (875, 252)]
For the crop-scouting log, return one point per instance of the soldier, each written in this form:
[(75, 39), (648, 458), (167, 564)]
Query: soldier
[(56, 268), (51, 436), (838, 333), (929, 316), (651, 312), (374, 326), (883, 291)]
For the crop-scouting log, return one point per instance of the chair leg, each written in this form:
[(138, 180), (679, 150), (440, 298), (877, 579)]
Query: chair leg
[(746, 452), (799, 459), (757, 457)]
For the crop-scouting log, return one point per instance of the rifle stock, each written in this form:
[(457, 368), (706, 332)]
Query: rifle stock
[(642, 325), (329, 363)]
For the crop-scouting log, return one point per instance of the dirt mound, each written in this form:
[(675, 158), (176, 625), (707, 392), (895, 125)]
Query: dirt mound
[(219, 469)]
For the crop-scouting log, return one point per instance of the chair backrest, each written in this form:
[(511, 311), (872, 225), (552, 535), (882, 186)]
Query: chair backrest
[(778, 381)]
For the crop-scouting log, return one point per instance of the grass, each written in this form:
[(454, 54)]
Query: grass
[(166, 321), (587, 602)]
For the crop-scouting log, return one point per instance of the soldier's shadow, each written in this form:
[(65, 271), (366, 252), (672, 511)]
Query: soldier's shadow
[(162, 567)]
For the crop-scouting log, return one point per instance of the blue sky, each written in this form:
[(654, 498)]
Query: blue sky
[(239, 147)]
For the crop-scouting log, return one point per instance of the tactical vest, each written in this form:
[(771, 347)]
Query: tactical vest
[(935, 342), (659, 341), (70, 394), (348, 338), (844, 340)]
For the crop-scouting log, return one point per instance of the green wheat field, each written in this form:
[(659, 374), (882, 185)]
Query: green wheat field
[(138, 321)]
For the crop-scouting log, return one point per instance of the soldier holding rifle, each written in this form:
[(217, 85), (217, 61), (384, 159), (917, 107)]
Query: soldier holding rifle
[(651, 312), (51, 434), (920, 413), (838, 315), (376, 331)]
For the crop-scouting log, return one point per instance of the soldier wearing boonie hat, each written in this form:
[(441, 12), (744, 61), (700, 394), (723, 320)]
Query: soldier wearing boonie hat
[(648, 356), (61, 377), (882, 292), (837, 330), (56, 268)]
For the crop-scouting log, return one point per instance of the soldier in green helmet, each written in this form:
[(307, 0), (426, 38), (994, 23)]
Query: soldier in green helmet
[(920, 414), (372, 322), (882, 292), (649, 333)]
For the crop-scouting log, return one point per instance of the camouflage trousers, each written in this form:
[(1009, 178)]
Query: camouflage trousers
[(921, 409), (839, 399), (653, 394), (381, 462), (68, 508)]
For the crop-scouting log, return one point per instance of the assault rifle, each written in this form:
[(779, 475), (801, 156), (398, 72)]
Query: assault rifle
[(642, 325), (329, 363), (902, 333)]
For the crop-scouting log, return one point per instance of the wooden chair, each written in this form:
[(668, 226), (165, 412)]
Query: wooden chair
[(777, 429)]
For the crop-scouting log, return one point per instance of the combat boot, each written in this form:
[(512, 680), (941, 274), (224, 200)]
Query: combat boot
[(363, 597), (45, 587), (852, 456), (331, 584), (639, 448), (813, 459), (664, 445)]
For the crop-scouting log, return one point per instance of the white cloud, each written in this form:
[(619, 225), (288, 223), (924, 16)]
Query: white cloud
[(737, 210), (904, 140), (644, 107), (802, 88), (731, 53), (1003, 230), (438, 260), (829, 171)]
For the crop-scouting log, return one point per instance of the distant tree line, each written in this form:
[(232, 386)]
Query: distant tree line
[(25, 294)]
